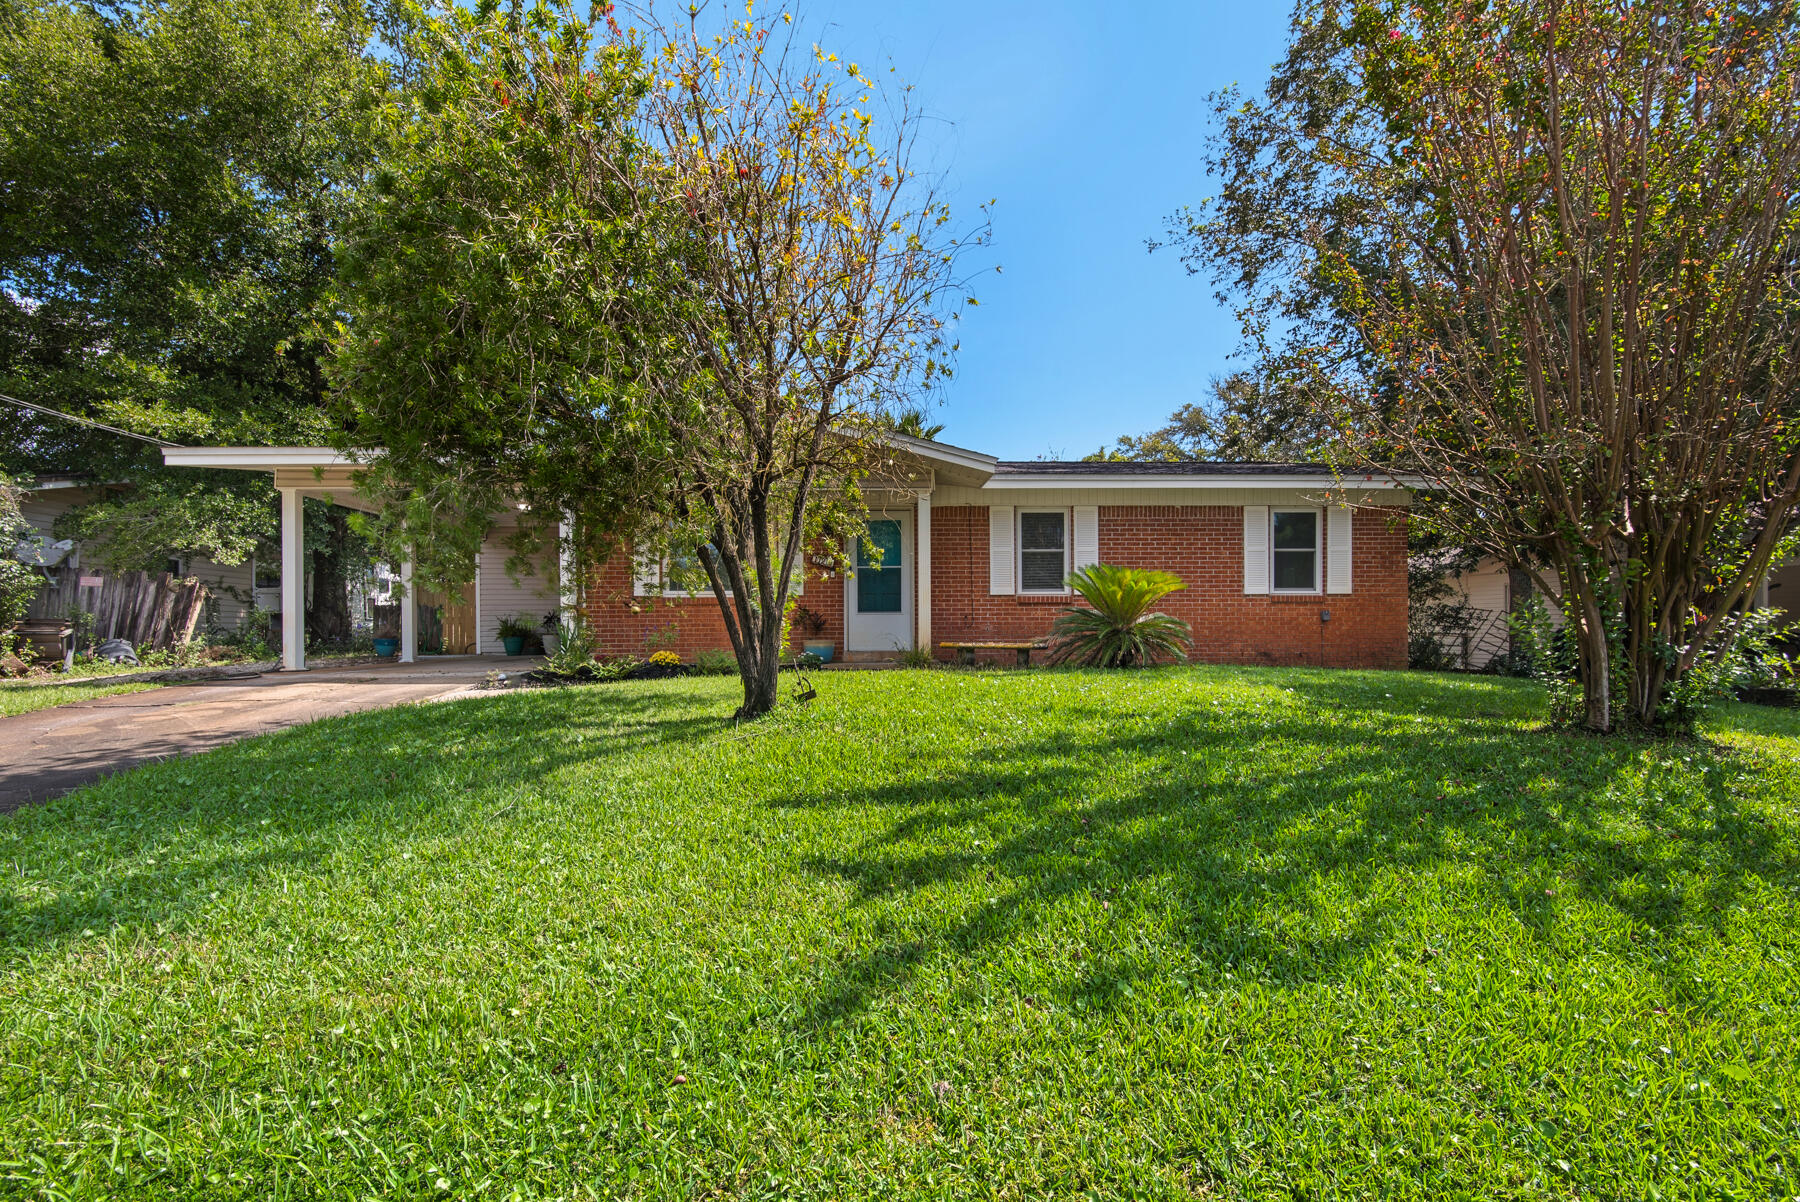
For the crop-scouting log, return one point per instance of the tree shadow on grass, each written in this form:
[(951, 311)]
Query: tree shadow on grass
[(1280, 860), (147, 847)]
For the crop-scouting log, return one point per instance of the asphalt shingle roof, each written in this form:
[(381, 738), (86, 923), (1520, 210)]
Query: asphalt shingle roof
[(1186, 467)]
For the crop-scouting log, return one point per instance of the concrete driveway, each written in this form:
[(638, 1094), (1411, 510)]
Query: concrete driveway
[(48, 752)]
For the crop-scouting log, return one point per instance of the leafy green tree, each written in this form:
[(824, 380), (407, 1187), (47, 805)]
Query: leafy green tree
[(673, 284), (1244, 422), (173, 175), (18, 583), (1541, 253), (1118, 628)]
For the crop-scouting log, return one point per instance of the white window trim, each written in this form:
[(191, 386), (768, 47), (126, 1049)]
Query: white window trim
[(662, 588), (1318, 585), (1068, 550)]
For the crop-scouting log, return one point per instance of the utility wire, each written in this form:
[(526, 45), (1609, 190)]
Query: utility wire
[(84, 421)]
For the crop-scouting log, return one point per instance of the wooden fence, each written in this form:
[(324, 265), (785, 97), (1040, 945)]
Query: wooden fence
[(157, 612)]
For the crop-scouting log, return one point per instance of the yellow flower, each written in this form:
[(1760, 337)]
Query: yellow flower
[(665, 659)]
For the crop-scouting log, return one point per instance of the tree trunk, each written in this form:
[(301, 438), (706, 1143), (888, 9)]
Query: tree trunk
[(760, 672), (1596, 673), (328, 619)]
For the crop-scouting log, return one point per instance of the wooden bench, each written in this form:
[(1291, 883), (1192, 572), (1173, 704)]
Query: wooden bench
[(965, 652), (49, 638)]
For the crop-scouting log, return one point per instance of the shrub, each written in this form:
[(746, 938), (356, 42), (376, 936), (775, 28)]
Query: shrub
[(665, 659), (917, 657), (574, 654), (617, 669), (716, 661), (1119, 631)]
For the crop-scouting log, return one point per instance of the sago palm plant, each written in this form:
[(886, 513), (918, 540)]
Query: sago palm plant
[(1119, 631)]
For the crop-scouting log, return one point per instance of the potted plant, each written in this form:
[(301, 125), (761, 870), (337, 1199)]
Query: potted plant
[(811, 627), (387, 639), (552, 635), (513, 632)]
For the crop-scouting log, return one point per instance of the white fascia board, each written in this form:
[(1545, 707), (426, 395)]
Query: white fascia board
[(1063, 480), (942, 452), (260, 459)]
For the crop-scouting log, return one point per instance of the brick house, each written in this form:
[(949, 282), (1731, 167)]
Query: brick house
[(1284, 563)]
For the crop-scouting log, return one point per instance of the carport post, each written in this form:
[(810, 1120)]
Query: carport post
[(566, 582), (293, 581), (409, 612)]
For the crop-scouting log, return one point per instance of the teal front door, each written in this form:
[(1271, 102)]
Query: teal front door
[(878, 595)]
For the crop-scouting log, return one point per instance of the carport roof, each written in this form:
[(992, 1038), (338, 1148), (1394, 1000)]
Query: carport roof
[(257, 459)]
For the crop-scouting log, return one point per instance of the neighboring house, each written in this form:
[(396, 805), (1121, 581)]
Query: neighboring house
[(230, 587), (1482, 597), (1782, 591), (1489, 591), (1283, 563), (1278, 570)]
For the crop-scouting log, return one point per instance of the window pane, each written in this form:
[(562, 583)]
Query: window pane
[(1041, 571), (1296, 530), (878, 590), (885, 534), (1294, 570), (1042, 532)]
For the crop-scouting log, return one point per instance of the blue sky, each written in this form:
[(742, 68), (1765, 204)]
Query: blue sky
[(1084, 122)]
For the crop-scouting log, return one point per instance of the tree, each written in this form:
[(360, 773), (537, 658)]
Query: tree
[(672, 284), (174, 174), (917, 423), (1541, 253), (18, 583), (1245, 422)]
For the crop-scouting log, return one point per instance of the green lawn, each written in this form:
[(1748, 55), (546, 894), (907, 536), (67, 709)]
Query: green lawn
[(1180, 934), (23, 698)]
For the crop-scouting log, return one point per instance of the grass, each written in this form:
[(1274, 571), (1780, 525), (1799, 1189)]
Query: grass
[(24, 698), (1195, 933)]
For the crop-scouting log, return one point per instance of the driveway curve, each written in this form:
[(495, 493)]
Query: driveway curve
[(51, 751)]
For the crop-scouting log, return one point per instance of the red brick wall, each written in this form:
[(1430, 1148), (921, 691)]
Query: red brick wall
[(1204, 545), (625, 625)]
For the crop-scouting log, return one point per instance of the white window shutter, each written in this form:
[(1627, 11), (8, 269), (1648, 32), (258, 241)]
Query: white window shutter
[(1256, 548), (1087, 536), (1000, 550), (1337, 549)]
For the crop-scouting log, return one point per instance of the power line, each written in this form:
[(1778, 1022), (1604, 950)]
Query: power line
[(84, 421)]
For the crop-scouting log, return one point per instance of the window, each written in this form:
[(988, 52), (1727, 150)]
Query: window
[(1294, 543), (1043, 550), (683, 576), (879, 590)]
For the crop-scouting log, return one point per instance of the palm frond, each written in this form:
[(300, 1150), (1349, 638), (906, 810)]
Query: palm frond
[(1119, 631)]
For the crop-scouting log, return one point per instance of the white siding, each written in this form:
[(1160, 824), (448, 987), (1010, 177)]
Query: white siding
[(231, 586), (530, 596), (1487, 588)]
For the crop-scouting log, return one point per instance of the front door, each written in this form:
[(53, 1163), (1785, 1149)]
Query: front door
[(878, 600)]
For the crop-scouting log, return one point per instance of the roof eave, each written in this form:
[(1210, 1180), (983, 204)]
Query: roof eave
[(1206, 481), (260, 459)]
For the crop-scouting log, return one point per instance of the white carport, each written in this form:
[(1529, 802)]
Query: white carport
[(324, 473)]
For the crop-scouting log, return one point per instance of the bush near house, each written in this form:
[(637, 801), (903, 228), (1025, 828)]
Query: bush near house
[(1191, 932), (1120, 630)]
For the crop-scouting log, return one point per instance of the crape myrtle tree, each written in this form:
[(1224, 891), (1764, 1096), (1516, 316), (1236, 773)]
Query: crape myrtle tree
[(670, 282), (1542, 253)]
